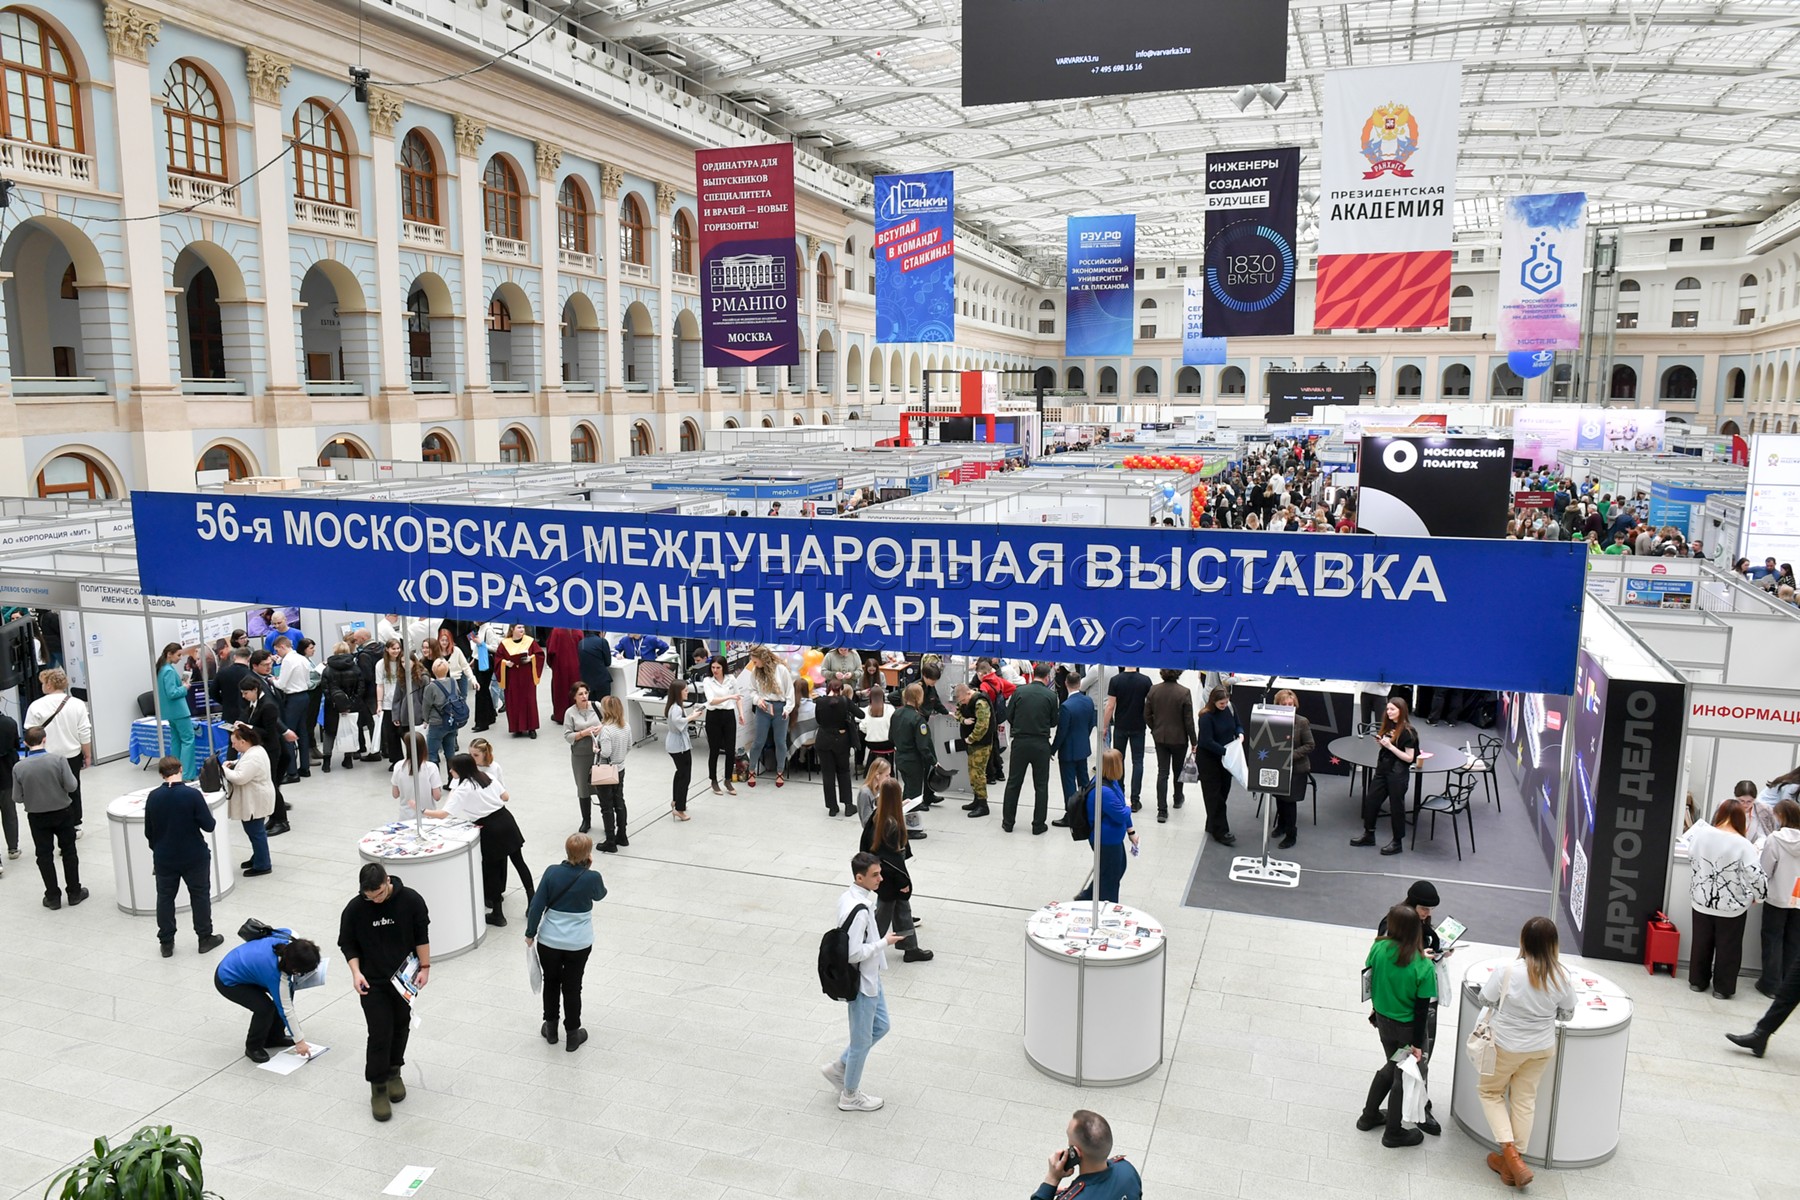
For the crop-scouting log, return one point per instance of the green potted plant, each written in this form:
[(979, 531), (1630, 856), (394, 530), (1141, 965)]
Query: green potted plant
[(156, 1163)]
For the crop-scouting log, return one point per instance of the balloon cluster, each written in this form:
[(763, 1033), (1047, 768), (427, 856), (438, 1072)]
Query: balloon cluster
[(1163, 462)]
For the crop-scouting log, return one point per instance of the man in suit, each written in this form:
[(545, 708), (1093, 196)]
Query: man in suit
[(227, 685), (261, 715), (596, 664), (1033, 714), (176, 822), (1073, 745)]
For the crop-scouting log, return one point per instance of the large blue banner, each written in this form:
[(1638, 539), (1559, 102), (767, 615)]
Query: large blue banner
[(915, 257), (1343, 607), (1101, 295)]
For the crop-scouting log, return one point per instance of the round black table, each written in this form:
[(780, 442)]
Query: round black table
[(1436, 756)]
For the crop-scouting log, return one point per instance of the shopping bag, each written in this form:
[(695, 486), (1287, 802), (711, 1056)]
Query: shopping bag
[(1413, 1094), (347, 737), (534, 970), (1190, 770), (1234, 762)]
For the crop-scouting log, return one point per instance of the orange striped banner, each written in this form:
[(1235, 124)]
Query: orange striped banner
[(1383, 291)]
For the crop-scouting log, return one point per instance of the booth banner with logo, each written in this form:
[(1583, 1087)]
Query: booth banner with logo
[(1772, 509), (1387, 172), (1543, 243), (1198, 350), (749, 282), (1244, 602), (1542, 432), (1425, 486), (1251, 198), (1101, 287), (915, 257)]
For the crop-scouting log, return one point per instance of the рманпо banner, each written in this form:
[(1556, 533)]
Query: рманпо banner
[(1251, 199), (915, 257), (749, 307), (1251, 603), (1101, 288), (1543, 242)]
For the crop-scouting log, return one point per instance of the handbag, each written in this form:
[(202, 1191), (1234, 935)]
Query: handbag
[(1480, 1046), (604, 774), (1234, 763), (1190, 770), (253, 930)]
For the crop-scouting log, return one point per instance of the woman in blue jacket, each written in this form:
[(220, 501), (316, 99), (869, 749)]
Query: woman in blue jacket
[(560, 923), (1113, 826), (172, 703), (251, 976)]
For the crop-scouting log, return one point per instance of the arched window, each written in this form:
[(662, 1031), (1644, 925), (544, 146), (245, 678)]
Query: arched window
[(682, 243), (823, 279), (1187, 381), (1687, 283), (223, 458), (642, 442), (1231, 381), (321, 156), (1147, 382), (502, 201), (1630, 285), (1148, 305), (195, 122), (72, 476), (1046, 306), (1109, 381), (632, 247), (418, 180), (1680, 383), (1462, 292), (1624, 383), (515, 447), (340, 447), (499, 318), (690, 437), (584, 447), (205, 327), (436, 448), (572, 216), (1409, 381), (1077, 380), (1457, 380), (1734, 384), (43, 99)]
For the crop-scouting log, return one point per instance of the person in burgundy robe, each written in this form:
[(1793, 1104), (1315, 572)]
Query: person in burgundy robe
[(564, 653), (521, 665)]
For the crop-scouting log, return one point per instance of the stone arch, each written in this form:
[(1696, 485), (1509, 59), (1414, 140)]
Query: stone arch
[(433, 335), (690, 371), (54, 338), (228, 454), (514, 355), (583, 344), (342, 358), (853, 368), (216, 329), (77, 472), (637, 346)]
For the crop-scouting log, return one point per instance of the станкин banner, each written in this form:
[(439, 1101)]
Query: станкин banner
[(915, 257), (1543, 240)]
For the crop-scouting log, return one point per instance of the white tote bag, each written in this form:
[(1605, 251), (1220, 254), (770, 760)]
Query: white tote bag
[(1481, 1048), (1414, 1096), (1234, 762), (534, 969)]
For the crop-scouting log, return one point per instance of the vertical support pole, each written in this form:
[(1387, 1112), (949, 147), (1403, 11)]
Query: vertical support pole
[(162, 745)]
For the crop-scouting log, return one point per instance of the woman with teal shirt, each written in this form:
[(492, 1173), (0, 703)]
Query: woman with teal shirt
[(172, 703)]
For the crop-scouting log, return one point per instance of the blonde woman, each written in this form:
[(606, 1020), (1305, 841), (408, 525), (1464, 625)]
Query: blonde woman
[(417, 784), (611, 744), (771, 687), (1524, 997)]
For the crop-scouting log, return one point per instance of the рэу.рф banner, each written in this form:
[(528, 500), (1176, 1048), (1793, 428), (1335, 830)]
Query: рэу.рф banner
[(1258, 603), (1101, 286), (915, 257), (749, 312)]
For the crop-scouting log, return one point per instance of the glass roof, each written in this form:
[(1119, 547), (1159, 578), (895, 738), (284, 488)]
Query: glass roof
[(1659, 109)]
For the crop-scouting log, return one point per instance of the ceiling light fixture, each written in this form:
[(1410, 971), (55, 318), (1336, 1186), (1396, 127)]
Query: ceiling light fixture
[(1272, 95), (1243, 98)]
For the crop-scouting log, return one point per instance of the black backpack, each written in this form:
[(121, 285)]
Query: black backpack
[(456, 709), (212, 776), (839, 978), (1081, 826)]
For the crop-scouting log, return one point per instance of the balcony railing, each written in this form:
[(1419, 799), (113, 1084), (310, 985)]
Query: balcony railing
[(686, 283), (429, 387), (419, 233), (508, 385), (825, 308), (45, 162), (333, 387), (576, 260), (637, 271), (579, 385), (29, 385), (213, 387), (505, 247), (331, 216), (186, 189)]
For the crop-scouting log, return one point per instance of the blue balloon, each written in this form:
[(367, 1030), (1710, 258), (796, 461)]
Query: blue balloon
[(1529, 364)]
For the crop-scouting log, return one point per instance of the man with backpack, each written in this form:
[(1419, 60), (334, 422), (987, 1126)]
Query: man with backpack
[(852, 957), (445, 712)]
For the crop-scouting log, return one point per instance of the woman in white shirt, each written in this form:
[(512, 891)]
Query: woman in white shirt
[(417, 784), (1727, 880), (475, 797), (1525, 997), (680, 747), (724, 710), (482, 751), (771, 697), (462, 672)]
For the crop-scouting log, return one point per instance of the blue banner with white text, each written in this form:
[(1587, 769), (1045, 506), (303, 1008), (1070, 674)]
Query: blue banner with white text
[(1101, 287), (915, 257), (1368, 607)]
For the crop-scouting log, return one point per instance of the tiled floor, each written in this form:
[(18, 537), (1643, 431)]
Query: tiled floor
[(708, 1025)]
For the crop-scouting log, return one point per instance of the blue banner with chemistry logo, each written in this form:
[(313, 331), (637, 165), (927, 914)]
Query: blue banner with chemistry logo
[(915, 257)]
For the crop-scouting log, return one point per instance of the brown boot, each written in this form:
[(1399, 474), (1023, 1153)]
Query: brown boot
[(1497, 1166), (1512, 1167)]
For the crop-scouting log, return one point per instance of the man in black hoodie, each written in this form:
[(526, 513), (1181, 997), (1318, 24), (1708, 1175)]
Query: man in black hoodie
[(380, 928)]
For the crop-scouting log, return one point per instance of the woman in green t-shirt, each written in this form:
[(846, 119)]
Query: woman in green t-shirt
[(1402, 989)]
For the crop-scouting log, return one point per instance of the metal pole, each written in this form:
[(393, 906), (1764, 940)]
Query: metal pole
[(206, 684), (162, 745), (1099, 761)]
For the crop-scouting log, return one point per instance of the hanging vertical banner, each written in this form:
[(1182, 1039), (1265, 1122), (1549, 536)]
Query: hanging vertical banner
[(1251, 198), (1198, 350), (748, 278), (1387, 172), (915, 257), (1101, 295), (1542, 244)]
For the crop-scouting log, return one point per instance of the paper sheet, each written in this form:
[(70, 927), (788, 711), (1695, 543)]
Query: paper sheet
[(408, 1181), (291, 1060)]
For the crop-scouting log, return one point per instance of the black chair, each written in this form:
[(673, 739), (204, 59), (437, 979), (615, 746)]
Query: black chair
[(147, 704), (1453, 800), (1487, 747), (1312, 786)]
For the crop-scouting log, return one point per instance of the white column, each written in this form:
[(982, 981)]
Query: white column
[(613, 319), (665, 295), (553, 404), (395, 410), (470, 132)]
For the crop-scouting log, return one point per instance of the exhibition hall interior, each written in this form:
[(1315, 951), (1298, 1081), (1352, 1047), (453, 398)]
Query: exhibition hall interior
[(721, 600)]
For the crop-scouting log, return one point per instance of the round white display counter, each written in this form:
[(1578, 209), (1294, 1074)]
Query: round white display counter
[(1094, 994), (1579, 1100), (133, 874), (444, 867)]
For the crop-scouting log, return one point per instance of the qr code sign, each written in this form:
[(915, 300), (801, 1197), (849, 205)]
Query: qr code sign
[(1268, 777)]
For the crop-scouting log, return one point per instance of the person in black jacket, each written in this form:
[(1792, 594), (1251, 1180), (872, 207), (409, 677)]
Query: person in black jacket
[(227, 686), (594, 655), (261, 715), (1214, 731), (342, 685), (176, 822), (368, 654), (9, 758), (885, 836), (381, 927), (837, 715), (914, 754), (1399, 751)]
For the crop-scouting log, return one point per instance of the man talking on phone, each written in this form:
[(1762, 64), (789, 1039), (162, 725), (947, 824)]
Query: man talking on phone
[(383, 926), (1087, 1159)]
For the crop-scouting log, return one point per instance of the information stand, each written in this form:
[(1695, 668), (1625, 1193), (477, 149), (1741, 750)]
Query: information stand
[(1094, 995), (133, 872), (438, 860)]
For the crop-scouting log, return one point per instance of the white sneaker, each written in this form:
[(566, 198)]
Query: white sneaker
[(858, 1102), (834, 1073)]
